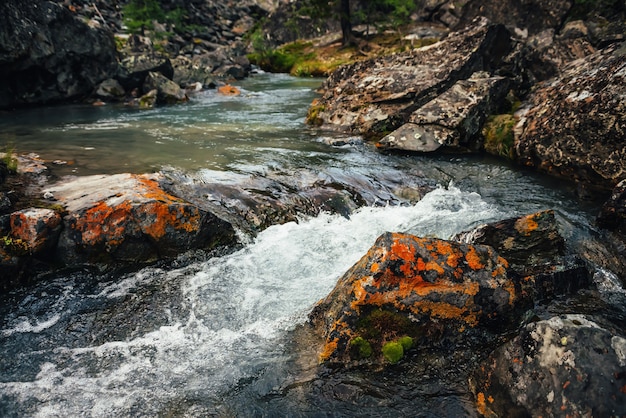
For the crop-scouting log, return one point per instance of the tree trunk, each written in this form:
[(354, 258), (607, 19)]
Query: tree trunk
[(346, 25)]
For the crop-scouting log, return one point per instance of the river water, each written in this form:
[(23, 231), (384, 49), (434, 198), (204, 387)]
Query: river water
[(224, 336)]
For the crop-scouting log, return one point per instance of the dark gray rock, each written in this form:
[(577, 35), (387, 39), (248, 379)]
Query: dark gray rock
[(110, 89), (47, 54), (168, 92), (613, 213), (566, 365), (574, 126), (453, 120)]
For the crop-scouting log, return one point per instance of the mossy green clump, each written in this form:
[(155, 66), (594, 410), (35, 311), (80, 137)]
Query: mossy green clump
[(14, 246), (382, 325), (9, 159), (406, 342), (360, 348), (499, 137), (313, 115), (393, 352)]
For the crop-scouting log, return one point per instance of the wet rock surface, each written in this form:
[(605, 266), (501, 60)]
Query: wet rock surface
[(127, 220), (574, 127), (434, 292), (443, 293)]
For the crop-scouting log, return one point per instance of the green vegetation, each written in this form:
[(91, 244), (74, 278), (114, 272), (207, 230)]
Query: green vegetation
[(498, 133), (393, 352), (360, 348), (14, 246), (406, 342), (9, 159), (140, 15)]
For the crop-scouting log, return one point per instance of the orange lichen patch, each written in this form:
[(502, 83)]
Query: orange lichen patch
[(152, 190), (444, 248), (434, 266), (229, 90), (481, 406), (473, 259), (329, 349), (453, 259), (104, 223), (375, 268), (403, 251), (526, 225), (445, 310), (164, 216)]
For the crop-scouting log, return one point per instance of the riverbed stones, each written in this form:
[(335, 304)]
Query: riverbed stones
[(612, 215), (130, 219), (565, 365), (574, 126), (434, 291), (379, 95)]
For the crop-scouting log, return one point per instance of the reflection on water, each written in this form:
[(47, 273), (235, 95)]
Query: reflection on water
[(211, 131)]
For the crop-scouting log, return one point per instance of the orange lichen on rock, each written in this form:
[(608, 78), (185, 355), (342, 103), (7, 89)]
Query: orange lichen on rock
[(151, 190), (421, 279), (526, 225), (473, 259), (481, 406), (104, 223), (163, 216), (229, 90)]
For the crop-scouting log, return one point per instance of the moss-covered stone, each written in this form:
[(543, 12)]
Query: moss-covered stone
[(393, 352), (360, 348)]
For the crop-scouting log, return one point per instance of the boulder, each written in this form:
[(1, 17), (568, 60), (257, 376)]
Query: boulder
[(198, 69), (522, 16), (47, 54), (379, 95), (128, 218), (453, 120), (612, 215), (574, 127), (524, 241), (535, 251), (36, 229), (135, 69), (566, 365), (168, 92), (435, 292), (110, 89)]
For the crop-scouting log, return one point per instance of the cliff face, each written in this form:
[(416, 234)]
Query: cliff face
[(47, 54)]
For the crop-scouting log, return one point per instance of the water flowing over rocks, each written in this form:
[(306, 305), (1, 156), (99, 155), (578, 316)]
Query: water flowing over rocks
[(47, 54), (574, 126), (127, 220), (380, 95)]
